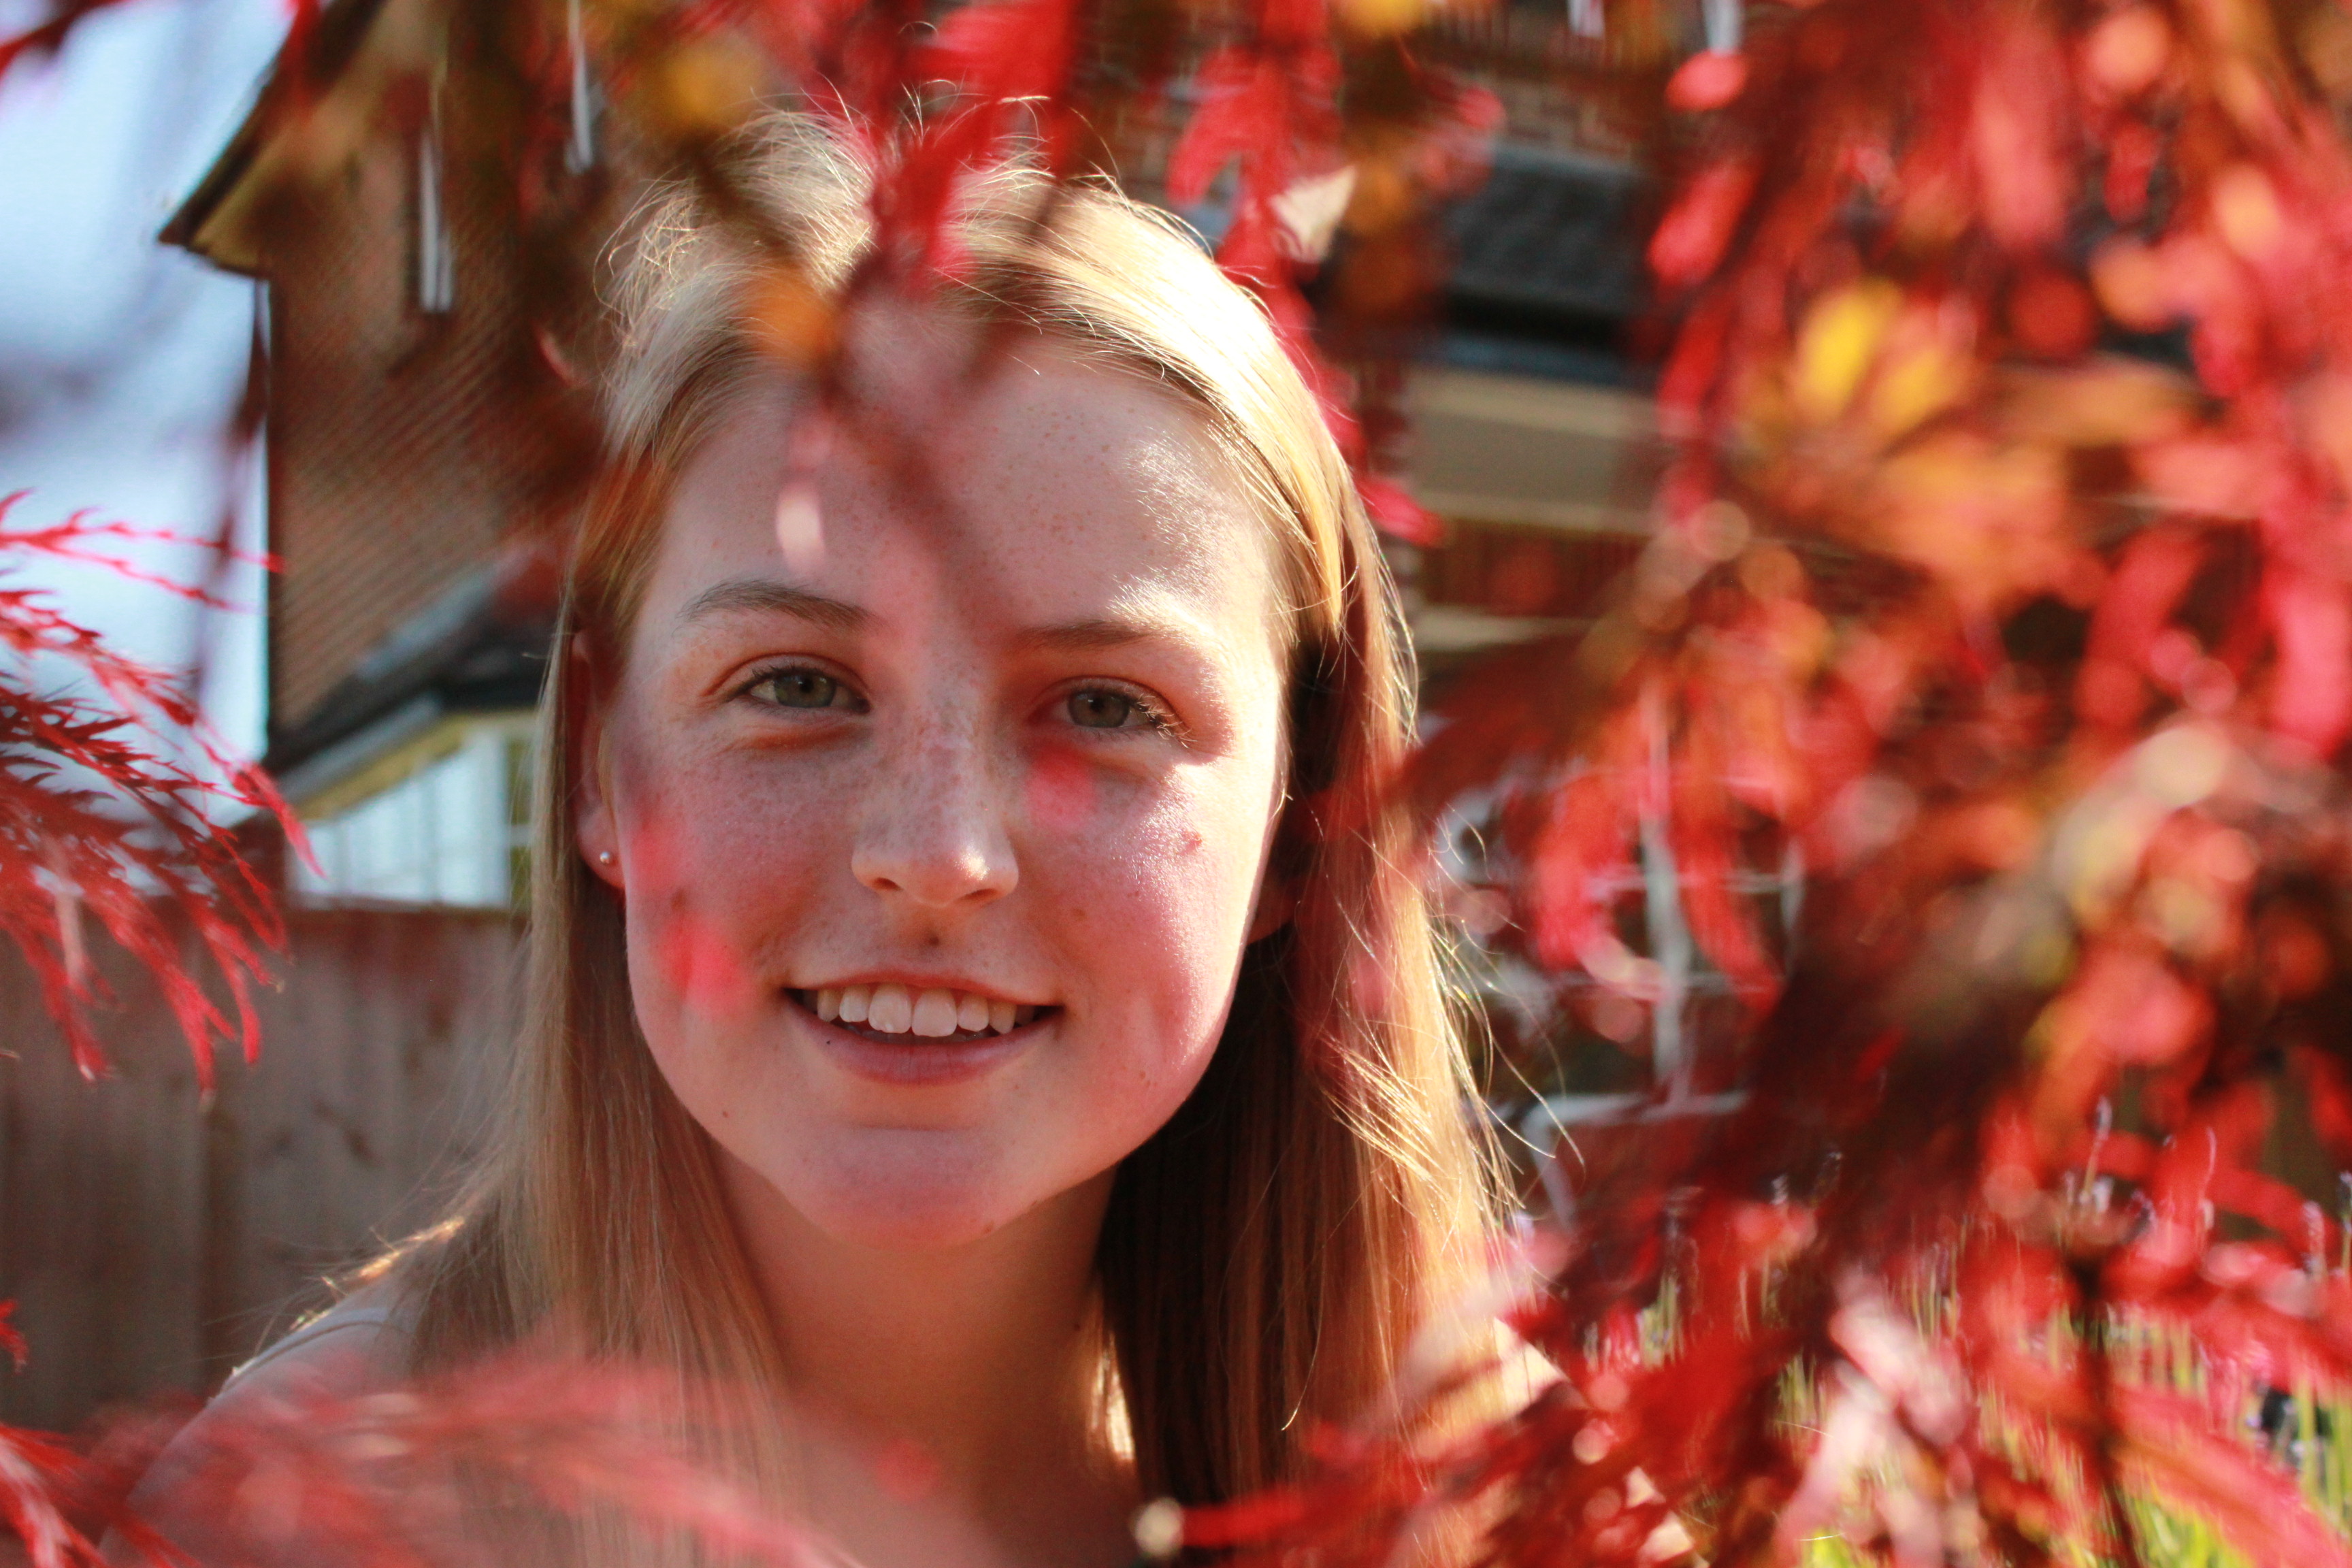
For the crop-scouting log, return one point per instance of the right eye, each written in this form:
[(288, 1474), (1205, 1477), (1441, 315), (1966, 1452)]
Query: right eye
[(798, 686)]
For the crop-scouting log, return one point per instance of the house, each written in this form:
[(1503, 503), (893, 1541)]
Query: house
[(425, 429)]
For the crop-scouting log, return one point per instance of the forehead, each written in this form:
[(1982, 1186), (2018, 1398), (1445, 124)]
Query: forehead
[(1035, 489)]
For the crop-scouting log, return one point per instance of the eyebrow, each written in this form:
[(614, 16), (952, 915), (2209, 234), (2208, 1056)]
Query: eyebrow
[(1098, 631), (766, 595)]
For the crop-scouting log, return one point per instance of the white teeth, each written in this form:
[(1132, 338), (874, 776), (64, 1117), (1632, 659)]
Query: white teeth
[(891, 1011), (935, 1015)]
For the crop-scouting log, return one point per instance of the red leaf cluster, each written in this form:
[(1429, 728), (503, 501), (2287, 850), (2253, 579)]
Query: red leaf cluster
[(2001, 594), (413, 1474), (429, 1473), (112, 800), (1988, 319)]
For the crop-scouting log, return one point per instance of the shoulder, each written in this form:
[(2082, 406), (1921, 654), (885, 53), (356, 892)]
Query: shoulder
[(196, 1492), (363, 1340)]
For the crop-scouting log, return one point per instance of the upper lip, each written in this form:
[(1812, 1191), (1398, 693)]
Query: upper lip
[(922, 982)]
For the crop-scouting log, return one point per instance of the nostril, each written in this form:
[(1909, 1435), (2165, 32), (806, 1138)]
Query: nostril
[(939, 863)]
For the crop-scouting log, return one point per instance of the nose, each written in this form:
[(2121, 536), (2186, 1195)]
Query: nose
[(932, 829)]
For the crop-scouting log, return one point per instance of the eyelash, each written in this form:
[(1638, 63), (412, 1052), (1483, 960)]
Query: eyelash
[(1153, 714)]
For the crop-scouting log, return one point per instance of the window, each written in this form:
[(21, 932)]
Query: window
[(448, 827), (1722, 23), (580, 148), (436, 259), (1587, 1055)]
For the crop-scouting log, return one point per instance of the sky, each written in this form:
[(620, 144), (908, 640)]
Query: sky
[(121, 360)]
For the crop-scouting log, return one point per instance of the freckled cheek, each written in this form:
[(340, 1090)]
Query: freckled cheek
[(716, 876), (1153, 907)]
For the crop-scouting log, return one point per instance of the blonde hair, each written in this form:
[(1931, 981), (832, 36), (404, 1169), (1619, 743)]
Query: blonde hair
[(1268, 1255)]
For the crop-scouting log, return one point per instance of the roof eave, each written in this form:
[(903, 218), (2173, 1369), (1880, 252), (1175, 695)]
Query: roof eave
[(213, 222), (195, 226)]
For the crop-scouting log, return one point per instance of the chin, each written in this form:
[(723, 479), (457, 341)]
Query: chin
[(909, 1194)]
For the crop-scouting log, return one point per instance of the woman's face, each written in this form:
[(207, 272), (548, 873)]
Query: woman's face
[(969, 721)]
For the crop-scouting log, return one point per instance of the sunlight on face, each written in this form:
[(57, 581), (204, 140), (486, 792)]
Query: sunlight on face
[(966, 720)]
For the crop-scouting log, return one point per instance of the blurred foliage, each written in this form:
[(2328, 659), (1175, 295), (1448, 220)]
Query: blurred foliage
[(1972, 724)]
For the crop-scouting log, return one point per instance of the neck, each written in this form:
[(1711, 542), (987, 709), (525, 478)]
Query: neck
[(974, 1367)]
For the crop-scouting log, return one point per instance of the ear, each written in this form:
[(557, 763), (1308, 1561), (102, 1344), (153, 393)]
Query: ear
[(596, 832), (1277, 901)]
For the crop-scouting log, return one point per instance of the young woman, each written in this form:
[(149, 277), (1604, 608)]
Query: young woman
[(980, 998)]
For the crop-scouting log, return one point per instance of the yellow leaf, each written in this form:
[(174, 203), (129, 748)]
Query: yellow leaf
[(1841, 337), (1381, 18), (2246, 211), (1925, 380), (2110, 401), (703, 87), (2130, 281), (788, 318), (1982, 517)]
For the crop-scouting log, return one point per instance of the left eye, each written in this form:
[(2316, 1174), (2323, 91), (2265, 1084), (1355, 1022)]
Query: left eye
[(801, 689), (1100, 709)]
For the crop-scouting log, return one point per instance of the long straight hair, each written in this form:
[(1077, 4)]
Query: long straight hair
[(1267, 1256)]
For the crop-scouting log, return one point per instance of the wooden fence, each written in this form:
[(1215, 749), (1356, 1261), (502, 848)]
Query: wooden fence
[(152, 1242)]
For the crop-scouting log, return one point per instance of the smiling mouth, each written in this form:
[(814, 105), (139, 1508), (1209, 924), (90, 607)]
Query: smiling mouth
[(903, 1015)]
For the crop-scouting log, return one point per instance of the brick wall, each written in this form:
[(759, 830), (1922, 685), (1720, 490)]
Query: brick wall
[(407, 446), (408, 449)]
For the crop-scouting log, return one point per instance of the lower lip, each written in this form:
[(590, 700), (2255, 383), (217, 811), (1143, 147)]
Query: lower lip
[(925, 1063)]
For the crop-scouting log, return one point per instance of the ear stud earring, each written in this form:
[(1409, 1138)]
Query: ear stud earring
[(603, 857)]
